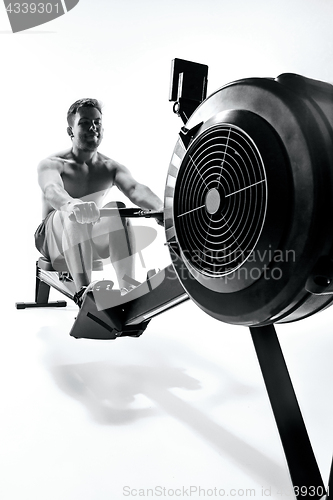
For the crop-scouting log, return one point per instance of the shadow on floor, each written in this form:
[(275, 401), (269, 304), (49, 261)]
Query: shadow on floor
[(110, 392)]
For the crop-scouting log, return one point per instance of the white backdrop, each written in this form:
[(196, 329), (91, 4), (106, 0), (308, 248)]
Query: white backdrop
[(120, 51)]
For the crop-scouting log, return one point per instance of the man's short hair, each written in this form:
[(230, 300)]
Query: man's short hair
[(82, 103)]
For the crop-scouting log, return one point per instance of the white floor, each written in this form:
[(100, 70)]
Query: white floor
[(181, 408)]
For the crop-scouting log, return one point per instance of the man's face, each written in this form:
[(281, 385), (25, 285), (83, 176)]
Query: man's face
[(87, 129)]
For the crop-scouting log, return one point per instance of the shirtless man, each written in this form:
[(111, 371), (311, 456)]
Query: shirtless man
[(77, 181)]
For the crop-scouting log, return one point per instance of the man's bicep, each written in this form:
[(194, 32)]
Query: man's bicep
[(49, 174), (124, 181)]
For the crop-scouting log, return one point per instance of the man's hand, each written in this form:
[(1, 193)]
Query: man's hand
[(84, 212)]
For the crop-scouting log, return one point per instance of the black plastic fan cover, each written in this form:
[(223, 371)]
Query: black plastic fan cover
[(248, 201)]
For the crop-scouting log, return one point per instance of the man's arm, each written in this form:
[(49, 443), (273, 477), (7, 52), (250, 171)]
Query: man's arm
[(52, 186), (51, 183), (139, 194)]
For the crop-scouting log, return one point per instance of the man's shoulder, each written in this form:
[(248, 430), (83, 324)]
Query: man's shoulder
[(108, 162), (56, 160)]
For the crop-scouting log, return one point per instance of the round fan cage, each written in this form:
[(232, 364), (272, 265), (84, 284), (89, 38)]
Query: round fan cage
[(220, 213)]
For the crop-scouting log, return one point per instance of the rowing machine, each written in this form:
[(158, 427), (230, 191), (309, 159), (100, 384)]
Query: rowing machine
[(248, 205), (247, 211)]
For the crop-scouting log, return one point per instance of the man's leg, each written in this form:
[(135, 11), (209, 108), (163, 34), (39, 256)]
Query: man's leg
[(122, 254), (74, 243), (114, 237)]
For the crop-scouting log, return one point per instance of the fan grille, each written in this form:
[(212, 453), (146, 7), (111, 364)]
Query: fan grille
[(220, 200)]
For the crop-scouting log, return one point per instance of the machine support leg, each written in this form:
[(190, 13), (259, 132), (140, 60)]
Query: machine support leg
[(42, 292), (330, 483), (303, 467)]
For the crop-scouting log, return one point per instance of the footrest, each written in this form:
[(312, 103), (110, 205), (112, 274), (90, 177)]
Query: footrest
[(97, 321), (26, 305)]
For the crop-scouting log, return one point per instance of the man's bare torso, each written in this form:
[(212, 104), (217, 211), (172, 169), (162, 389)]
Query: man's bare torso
[(87, 182)]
